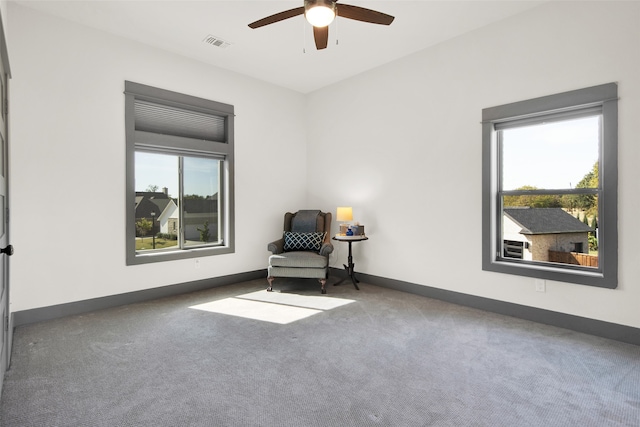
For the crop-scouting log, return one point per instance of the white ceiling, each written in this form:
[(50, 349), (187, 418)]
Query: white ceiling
[(284, 53)]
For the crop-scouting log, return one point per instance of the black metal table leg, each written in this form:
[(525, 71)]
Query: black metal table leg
[(349, 267), (350, 270)]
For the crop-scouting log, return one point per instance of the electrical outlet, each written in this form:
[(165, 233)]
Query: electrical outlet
[(197, 263), (541, 285)]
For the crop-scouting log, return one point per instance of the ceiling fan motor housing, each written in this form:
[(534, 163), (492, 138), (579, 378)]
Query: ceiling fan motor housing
[(319, 13)]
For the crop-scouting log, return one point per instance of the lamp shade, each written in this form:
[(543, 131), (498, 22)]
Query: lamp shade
[(344, 213), (319, 13)]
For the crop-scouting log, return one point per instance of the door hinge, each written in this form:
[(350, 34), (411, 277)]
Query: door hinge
[(6, 215), (6, 323)]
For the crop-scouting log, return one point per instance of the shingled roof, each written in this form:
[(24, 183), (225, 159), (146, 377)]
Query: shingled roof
[(146, 202), (545, 221)]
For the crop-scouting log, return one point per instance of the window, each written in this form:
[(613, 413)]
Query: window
[(179, 175), (549, 187)]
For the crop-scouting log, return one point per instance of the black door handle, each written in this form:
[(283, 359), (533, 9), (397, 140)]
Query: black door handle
[(8, 250)]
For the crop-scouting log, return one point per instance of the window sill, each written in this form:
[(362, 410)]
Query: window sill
[(146, 258), (565, 273)]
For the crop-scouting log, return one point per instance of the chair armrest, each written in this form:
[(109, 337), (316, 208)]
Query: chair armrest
[(326, 249), (276, 247)]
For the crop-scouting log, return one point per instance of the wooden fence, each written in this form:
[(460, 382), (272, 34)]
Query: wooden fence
[(574, 258)]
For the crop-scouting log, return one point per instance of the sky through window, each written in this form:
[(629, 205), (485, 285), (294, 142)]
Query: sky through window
[(554, 155)]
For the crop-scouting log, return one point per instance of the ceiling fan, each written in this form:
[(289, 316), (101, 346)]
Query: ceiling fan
[(320, 13)]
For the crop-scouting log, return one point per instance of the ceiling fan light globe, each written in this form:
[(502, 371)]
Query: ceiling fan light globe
[(319, 13)]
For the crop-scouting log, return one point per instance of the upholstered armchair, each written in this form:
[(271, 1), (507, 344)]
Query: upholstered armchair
[(304, 248)]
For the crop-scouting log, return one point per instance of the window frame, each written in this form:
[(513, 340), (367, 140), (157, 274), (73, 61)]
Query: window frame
[(158, 143), (559, 105)]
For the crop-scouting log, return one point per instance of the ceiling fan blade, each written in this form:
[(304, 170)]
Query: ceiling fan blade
[(281, 16), (365, 15), (321, 36)]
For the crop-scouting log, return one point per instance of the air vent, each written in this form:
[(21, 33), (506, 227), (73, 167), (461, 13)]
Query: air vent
[(216, 41)]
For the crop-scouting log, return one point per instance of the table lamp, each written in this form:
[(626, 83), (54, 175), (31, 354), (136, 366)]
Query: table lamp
[(344, 214)]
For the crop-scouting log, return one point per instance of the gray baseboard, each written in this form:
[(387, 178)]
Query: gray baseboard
[(585, 325), (599, 328), (41, 314)]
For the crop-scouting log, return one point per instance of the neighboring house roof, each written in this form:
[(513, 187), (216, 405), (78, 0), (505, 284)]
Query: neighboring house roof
[(545, 221), (152, 194), (146, 202)]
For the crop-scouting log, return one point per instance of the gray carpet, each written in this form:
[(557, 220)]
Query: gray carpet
[(363, 358)]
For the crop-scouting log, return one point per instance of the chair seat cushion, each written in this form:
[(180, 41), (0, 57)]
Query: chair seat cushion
[(300, 259)]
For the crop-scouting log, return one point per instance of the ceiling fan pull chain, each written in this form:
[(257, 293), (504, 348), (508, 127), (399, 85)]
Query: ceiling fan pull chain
[(337, 26), (304, 37)]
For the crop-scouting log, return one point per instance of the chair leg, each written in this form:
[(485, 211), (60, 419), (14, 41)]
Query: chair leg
[(322, 283), (270, 280)]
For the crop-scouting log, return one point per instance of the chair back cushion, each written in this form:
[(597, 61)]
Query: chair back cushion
[(305, 221)]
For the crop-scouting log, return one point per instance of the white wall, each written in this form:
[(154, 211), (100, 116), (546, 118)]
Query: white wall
[(402, 145), (68, 156)]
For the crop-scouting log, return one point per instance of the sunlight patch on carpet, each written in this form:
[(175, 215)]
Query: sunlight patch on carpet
[(273, 307), (307, 301)]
